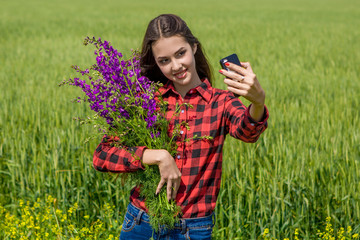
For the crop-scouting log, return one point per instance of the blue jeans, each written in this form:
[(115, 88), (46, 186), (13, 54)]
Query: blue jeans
[(136, 226)]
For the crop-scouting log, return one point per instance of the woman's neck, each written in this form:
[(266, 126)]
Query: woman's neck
[(183, 89)]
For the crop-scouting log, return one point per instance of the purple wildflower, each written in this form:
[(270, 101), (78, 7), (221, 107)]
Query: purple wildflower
[(120, 86)]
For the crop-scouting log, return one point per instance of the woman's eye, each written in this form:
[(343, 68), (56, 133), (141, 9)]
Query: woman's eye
[(181, 53), (163, 61)]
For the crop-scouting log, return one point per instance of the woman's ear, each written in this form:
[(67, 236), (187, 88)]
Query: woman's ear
[(194, 48)]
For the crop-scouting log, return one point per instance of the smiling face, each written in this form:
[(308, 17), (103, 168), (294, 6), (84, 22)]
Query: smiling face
[(175, 58)]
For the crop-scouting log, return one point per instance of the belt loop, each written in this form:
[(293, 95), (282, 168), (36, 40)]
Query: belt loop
[(183, 226), (138, 217)]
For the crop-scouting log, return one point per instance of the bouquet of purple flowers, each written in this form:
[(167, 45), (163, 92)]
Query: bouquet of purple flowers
[(125, 107)]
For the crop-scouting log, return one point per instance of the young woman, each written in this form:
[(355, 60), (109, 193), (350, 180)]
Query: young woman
[(172, 55)]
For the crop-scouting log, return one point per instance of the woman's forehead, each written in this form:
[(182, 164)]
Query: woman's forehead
[(169, 45)]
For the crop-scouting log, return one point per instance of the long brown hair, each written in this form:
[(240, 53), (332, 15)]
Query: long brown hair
[(168, 25)]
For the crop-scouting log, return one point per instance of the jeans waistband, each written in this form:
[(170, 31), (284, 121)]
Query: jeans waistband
[(183, 223)]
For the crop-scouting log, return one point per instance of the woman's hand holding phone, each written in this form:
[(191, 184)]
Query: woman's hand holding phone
[(242, 81)]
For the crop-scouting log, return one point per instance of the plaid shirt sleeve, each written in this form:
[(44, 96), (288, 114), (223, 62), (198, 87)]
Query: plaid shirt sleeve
[(108, 158), (240, 123)]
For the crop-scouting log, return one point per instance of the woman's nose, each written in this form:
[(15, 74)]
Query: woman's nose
[(176, 65)]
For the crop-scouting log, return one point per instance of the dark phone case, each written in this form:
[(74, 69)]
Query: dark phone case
[(233, 58)]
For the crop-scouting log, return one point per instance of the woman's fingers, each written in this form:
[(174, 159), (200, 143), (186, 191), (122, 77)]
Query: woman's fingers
[(172, 187), (236, 76), (175, 188), (242, 81), (169, 172), (238, 72), (161, 184), (242, 69), (169, 190), (240, 92), (247, 66)]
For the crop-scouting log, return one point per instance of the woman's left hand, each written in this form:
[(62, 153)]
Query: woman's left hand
[(241, 80)]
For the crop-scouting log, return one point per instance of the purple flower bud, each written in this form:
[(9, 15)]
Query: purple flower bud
[(119, 88)]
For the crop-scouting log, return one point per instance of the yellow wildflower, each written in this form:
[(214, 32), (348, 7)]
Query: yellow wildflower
[(58, 212), (296, 234)]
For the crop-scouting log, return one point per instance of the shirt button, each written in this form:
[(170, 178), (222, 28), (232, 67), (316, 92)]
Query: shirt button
[(182, 111), (181, 132), (252, 124), (178, 156)]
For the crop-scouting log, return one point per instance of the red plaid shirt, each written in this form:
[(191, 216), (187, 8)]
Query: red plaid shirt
[(215, 113)]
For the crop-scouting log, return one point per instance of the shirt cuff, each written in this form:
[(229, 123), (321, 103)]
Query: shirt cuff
[(137, 154)]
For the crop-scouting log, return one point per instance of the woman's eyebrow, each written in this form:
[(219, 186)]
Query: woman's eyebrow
[(179, 50)]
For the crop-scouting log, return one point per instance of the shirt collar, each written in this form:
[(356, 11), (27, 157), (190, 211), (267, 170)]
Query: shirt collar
[(204, 89)]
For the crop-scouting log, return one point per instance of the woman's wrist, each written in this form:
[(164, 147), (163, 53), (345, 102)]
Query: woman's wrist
[(258, 106), (153, 156), (257, 111)]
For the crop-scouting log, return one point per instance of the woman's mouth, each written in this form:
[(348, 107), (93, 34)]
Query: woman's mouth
[(181, 75)]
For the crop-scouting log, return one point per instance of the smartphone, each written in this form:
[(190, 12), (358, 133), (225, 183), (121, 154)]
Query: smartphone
[(233, 58)]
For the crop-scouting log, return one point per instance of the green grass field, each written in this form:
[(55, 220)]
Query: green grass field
[(303, 169)]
